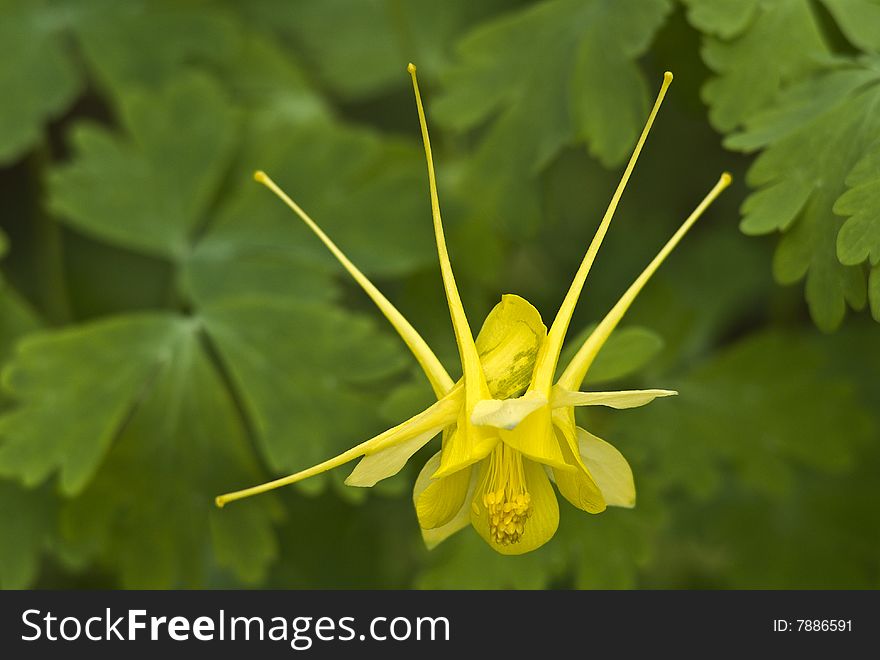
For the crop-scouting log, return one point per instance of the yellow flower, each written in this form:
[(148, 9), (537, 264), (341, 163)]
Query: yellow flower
[(507, 428)]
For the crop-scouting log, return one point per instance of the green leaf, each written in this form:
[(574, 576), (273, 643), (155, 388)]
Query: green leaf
[(760, 408), (725, 18), (859, 238), (399, 32), (27, 516), (534, 75), (129, 45), (122, 354), (278, 355), (812, 140), (759, 47), (858, 20), (150, 189), (122, 50), (27, 521), (143, 440), (874, 292), (18, 319), (382, 530), (369, 195), (752, 541), (272, 84), (627, 350), (253, 255), (39, 80)]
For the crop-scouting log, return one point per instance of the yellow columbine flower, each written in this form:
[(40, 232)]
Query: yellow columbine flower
[(506, 426)]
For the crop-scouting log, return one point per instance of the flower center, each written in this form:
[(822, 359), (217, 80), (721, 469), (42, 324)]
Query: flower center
[(507, 502)]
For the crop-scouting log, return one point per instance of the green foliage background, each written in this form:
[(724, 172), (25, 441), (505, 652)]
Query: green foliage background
[(168, 331)]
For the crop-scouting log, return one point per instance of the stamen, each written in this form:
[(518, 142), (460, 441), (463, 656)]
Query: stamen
[(507, 502)]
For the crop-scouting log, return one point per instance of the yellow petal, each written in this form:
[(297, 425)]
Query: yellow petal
[(544, 512), (475, 384), (507, 413), (508, 344), (466, 448), (609, 468), (461, 519), (563, 398), (437, 501), (534, 437), (437, 375), (546, 365), (577, 486), (387, 462), (431, 420), (574, 373)]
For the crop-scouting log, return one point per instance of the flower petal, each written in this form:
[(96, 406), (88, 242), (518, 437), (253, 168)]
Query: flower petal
[(563, 398), (387, 462), (576, 370), (475, 386), (578, 486), (437, 501), (546, 364), (508, 344), (437, 375), (506, 413), (534, 437), (465, 448), (461, 519), (609, 468), (431, 420), (541, 524)]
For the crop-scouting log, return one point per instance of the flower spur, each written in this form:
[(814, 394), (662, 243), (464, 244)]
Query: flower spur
[(506, 427)]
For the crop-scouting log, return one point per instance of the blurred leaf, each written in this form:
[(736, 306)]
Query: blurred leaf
[(782, 548), (367, 194), (726, 18), (150, 191), (858, 20), (271, 82), (759, 408), (874, 292), (399, 32), (27, 521), (28, 517), (17, 319), (859, 238), (742, 538), (800, 177), (278, 355), (316, 549), (627, 350), (144, 437), (145, 44), (39, 79), (535, 76), (758, 47)]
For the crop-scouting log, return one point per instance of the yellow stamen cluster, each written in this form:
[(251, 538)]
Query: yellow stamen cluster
[(507, 502)]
